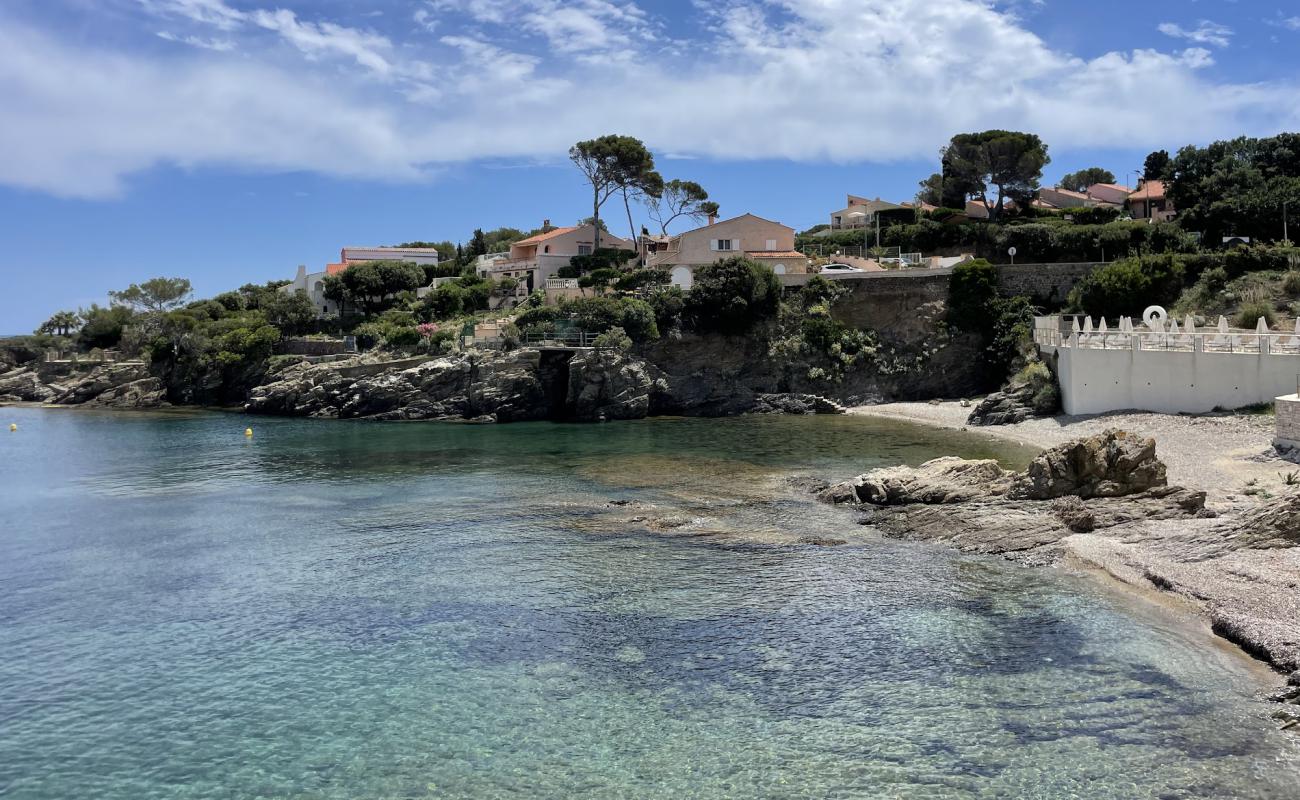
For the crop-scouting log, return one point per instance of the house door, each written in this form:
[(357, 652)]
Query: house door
[(779, 269), (682, 277)]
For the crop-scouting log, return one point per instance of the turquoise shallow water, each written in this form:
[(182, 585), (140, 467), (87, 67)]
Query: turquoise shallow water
[(336, 610)]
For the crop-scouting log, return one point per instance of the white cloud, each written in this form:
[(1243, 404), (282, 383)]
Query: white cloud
[(219, 45), (208, 12), (368, 49), (840, 80), (1292, 22), (1205, 32)]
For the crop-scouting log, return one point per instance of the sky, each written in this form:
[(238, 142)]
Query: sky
[(228, 141)]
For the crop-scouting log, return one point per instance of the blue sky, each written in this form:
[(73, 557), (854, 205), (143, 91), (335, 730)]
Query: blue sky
[(229, 140)]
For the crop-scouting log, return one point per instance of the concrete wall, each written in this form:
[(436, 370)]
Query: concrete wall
[(1097, 381)]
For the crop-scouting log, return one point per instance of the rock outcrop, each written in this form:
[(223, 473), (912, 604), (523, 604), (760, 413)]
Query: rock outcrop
[(794, 403), (142, 393), (1111, 464), (1093, 483), (107, 386), (84, 388), (25, 385), (1006, 407), (607, 385)]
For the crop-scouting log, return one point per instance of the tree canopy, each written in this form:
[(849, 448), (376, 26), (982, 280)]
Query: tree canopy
[(733, 294), (1010, 161), (678, 199), (1081, 180), (61, 323), (611, 163), (372, 284), (1158, 166), (1237, 187), (154, 295)]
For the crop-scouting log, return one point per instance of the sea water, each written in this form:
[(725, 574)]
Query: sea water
[(626, 610)]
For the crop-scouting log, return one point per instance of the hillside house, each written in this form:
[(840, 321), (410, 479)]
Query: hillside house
[(762, 240), (1150, 202), (534, 260), (313, 283)]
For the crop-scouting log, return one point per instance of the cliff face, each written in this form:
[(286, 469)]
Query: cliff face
[(530, 384)]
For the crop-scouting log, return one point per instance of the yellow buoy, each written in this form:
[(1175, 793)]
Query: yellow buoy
[(13, 426), (248, 431)]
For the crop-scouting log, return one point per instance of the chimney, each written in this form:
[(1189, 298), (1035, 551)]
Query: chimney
[(713, 218), (302, 272), (546, 224)]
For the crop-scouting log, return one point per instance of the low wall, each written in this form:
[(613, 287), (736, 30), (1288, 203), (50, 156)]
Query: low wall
[(1094, 381), (312, 347), (366, 370)]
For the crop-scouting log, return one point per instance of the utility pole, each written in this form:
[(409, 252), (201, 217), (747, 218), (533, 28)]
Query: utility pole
[(1285, 237)]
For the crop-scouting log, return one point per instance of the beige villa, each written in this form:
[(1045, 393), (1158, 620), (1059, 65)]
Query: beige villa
[(861, 212), (535, 260), (762, 240)]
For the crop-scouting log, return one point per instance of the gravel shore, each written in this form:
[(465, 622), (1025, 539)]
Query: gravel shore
[(1247, 590), (1219, 454)]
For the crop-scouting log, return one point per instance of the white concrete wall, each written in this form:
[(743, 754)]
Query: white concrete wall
[(1095, 381)]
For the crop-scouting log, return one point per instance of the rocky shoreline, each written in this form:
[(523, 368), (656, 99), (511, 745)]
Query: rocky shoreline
[(480, 386), (1104, 501)]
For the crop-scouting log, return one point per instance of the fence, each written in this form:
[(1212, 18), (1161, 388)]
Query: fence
[(1166, 371)]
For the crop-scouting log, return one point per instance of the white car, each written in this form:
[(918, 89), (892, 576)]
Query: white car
[(839, 269)]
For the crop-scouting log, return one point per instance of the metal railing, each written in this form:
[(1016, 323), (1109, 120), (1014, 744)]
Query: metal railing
[(1241, 342)]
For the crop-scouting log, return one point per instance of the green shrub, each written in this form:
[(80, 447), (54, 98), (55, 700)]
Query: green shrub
[(615, 338), (1250, 311), (1291, 282), (1098, 215), (1125, 288), (732, 295), (1046, 395), (1240, 260), (668, 304), (971, 289)]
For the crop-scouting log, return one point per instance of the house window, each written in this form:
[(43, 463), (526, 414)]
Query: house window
[(546, 248), (771, 245), (584, 249), (723, 244)]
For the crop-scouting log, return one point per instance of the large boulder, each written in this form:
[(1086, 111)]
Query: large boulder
[(1007, 407), (26, 385), (607, 385), (1113, 463), (939, 481)]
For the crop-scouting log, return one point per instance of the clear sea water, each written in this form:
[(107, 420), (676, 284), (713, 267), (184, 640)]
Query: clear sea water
[(352, 610)]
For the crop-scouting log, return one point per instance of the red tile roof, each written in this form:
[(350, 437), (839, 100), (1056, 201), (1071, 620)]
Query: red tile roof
[(334, 269), (1151, 190), (541, 237)]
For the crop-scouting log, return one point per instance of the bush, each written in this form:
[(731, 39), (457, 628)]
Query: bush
[(1249, 313), (1098, 215), (1291, 282), (971, 289), (1125, 288), (1240, 260), (642, 279), (668, 304), (732, 295), (1046, 395), (615, 338)]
